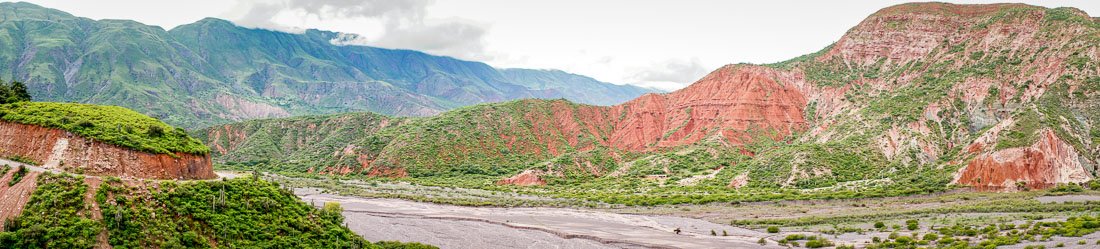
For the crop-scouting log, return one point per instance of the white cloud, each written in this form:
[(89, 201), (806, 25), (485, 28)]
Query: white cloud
[(670, 74), (381, 23)]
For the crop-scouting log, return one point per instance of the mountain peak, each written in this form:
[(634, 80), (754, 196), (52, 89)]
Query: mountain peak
[(25, 10)]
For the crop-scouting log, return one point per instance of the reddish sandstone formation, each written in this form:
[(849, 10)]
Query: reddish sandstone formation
[(727, 102), (62, 150), (1048, 161)]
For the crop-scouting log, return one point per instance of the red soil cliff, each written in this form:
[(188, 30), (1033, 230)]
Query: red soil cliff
[(61, 150)]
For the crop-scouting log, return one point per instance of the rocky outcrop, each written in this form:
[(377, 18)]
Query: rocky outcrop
[(1047, 162), (527, 178), (62, 150)]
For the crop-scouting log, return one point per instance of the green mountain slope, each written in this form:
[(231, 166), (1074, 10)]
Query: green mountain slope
[(212, 72)]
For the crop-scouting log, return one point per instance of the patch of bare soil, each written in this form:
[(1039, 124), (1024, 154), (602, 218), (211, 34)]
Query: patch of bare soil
[(14, 197)]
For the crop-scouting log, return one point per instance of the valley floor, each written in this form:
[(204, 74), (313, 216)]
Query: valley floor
[(405, 212), (449, 226)]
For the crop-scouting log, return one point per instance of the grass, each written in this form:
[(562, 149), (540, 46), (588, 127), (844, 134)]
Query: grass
[(110, 124)]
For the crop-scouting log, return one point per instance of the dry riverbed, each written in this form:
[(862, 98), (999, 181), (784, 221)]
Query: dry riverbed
[(373, 212), (449, 226)]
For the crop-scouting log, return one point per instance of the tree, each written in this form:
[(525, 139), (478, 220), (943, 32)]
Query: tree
[(19, 91), (14, 92), (156, 131)]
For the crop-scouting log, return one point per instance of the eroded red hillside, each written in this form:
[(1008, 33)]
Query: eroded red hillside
[(726, 103), (62, 150)]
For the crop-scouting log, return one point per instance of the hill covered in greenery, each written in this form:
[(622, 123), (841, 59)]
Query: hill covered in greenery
[(212, 72), (239, 213), (110, 124)]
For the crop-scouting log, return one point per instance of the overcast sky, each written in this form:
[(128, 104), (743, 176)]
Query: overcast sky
[(664, 44)]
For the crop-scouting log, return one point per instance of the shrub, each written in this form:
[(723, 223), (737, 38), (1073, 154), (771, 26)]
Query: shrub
[(773, 229), (18, 175), (879, 225), (912, 224), (156, 131), (762, 241)]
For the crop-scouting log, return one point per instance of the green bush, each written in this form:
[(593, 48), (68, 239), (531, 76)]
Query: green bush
[(912, 225), (773, 229), (18, 175)]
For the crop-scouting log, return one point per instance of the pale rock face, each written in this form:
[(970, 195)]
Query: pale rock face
[(527, 178)]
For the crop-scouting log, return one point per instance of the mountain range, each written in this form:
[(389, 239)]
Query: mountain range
[(914, 96), (214, 72)]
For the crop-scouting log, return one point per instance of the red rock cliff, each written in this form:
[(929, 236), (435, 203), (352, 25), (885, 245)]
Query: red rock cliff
[(62, 150), (1050, 160)]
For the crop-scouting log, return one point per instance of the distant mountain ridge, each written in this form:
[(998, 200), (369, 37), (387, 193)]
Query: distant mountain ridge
[(212, 71)]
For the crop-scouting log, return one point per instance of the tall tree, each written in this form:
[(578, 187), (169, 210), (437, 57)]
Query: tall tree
[(5, 92)]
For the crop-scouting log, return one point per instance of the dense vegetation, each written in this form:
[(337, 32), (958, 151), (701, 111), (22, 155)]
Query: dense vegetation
[(240, 213), (110, 124), (54, 217), (13, 92)]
